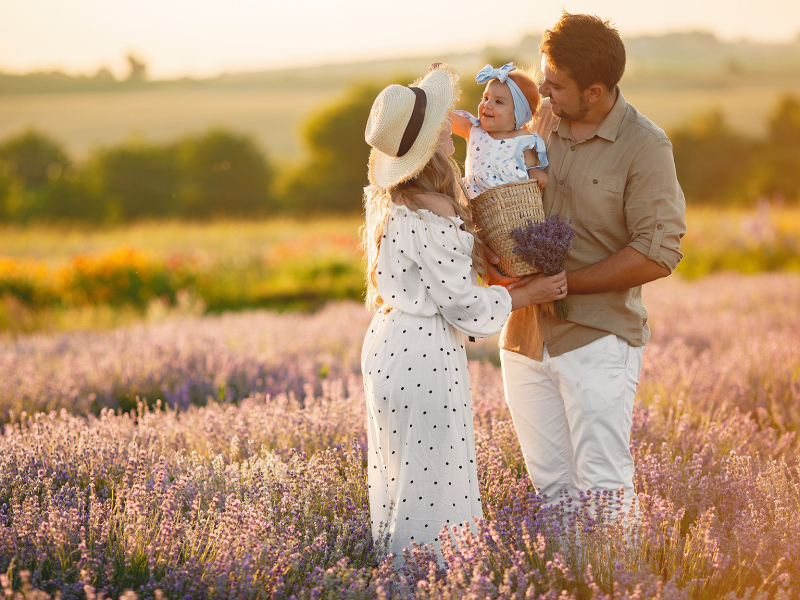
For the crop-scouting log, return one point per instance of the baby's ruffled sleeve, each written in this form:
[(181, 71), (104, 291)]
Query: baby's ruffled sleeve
[(469, 116), (531, 142)]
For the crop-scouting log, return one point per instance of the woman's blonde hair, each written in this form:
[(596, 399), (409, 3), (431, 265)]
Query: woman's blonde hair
[(441, 176)]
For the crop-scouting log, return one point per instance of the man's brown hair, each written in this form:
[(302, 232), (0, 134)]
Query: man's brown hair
[(588, 48)]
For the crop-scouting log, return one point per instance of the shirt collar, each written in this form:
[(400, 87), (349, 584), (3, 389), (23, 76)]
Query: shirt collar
[(607, 130)]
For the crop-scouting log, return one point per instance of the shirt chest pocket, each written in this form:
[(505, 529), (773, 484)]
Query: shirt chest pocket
[(599, 199)]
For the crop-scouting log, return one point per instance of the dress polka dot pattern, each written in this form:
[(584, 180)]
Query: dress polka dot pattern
[(421, 458)]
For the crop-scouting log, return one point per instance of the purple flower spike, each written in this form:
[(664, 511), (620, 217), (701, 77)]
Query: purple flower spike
[(545, 246)]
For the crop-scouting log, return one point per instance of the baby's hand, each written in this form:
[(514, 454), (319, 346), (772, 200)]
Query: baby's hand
[(540, 177)]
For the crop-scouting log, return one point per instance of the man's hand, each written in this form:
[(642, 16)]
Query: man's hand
[(494, 276)]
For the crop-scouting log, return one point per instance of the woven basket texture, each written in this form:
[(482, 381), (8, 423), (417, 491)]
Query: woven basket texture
[(498, 211)]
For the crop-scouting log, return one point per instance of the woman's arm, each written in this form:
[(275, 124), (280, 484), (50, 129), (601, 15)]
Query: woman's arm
[(539, 290)]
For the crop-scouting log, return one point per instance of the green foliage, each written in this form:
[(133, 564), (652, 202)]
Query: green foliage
[(72, 199), (6, 183), (779, 174), (140, 180), (226, 175), (216, 173), (719, 166), (784, 126), (713, 162), (780, 254), (333, 178), (30, 155)]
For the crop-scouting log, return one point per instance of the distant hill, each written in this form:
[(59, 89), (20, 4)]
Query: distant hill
[(687, 54)]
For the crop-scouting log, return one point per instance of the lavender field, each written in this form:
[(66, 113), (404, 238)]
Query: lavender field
[(223, 457)]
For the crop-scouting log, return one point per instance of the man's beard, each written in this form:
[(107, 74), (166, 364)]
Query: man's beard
[(582, 111)]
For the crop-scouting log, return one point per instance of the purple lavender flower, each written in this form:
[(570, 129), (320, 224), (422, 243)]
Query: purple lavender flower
[(544, 246)]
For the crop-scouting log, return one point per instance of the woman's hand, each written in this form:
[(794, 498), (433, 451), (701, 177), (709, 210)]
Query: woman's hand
[(538, 289)]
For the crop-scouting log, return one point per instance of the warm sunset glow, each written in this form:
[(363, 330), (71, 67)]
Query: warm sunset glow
[(205, 37)]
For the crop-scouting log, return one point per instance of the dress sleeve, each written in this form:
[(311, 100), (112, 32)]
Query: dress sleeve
[(443, 254)]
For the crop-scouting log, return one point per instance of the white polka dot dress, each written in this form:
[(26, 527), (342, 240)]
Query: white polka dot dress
[(421, 456)]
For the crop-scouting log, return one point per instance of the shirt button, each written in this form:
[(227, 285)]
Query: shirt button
[(594, 180), (660, 226), (561, 182), (573, 148)]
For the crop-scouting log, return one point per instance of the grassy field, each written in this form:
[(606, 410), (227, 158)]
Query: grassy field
[(710, 230), (223, 241), (61, 278), (244, 240)]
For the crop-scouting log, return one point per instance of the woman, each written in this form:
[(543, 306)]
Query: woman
[(422, 267)]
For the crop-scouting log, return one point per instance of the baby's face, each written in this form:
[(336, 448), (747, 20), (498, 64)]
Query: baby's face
[(496, 110)]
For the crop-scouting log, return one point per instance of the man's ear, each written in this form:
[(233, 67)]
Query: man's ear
[(596, 92)]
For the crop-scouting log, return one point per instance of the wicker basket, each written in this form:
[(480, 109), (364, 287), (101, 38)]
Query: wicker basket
[(501, 209)]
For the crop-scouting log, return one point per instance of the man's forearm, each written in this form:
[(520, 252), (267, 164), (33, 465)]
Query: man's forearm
[(623, 270)]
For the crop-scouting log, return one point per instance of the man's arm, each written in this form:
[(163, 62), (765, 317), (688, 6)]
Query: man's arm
[(654, 212), (623, 270)]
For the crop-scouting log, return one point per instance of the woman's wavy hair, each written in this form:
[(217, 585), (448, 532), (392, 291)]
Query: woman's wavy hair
[(441, 176)]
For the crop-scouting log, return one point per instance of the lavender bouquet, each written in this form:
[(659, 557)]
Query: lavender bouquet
[(544, 246)]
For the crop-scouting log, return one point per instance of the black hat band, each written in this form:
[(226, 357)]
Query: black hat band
[(414, 122)]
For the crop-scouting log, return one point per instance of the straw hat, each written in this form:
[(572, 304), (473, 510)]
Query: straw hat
[(404, 126)]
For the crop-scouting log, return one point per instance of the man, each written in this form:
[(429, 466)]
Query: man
[(570, 384)]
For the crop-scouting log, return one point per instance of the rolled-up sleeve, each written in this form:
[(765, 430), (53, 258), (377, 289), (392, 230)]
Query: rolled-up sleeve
[(655, 208)]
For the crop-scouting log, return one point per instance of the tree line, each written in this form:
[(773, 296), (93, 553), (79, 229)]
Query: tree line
[(221, 173)]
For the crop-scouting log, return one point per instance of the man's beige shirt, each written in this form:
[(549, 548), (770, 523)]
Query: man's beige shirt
[(620, 189)]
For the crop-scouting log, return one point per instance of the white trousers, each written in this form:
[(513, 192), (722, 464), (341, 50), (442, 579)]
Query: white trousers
[(573, 414)]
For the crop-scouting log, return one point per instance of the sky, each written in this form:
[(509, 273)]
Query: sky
[(206, 37)]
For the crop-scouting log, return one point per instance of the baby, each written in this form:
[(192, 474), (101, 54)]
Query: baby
[(499, 148)]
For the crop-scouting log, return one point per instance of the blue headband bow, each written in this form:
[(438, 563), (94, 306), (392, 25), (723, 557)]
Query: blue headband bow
[(522, 110)]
